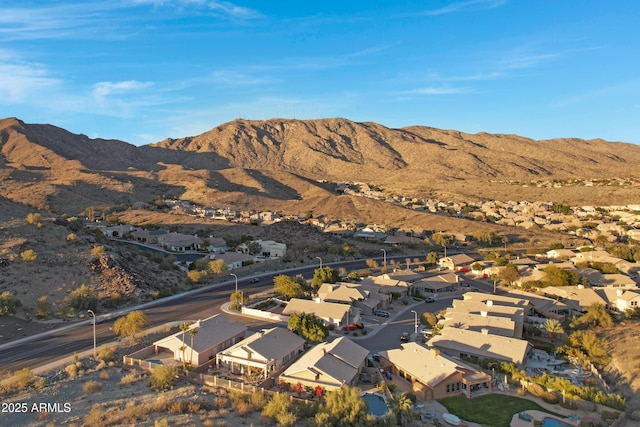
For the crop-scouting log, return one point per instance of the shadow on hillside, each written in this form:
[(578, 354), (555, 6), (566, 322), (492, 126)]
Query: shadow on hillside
[(273, 188)]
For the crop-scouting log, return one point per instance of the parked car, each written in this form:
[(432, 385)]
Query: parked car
[(254, 280), (405, 337), (382, 313), (430, 299)]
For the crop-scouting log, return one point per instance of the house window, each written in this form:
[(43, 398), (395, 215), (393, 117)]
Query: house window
[(448, 388), (457, 386), (634, 303)]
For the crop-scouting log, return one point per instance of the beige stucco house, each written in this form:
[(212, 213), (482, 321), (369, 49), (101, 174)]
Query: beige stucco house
[(212, 336), (433, 375), (328, 365), (263, 352)]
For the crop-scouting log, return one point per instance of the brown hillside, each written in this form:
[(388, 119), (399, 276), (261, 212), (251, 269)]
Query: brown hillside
[(278, 164)]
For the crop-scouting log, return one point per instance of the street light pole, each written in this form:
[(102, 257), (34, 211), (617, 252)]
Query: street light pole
[(320, 262), (94, 332), (415, 315), (385, 258), (236, 277)]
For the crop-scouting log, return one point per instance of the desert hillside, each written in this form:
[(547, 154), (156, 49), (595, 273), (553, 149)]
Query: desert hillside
[(277, 164)]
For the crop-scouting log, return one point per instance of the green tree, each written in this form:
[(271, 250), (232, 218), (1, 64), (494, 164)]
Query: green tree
[(432, 258), (287, 286), (9, 304), (442, 239), (162, 377), (343, 407), (596, 316), (184, 327), (476, 266), (279, 410), (216, 266), (308, 326), (509, 273), (254, 248), (83, 298), (494, 278), (401, 405), (555, 276), (192, 333), (324, 275), (131, 324), (553, 328)]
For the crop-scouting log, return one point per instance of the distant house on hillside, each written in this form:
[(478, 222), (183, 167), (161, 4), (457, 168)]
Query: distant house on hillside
[(456, 262)]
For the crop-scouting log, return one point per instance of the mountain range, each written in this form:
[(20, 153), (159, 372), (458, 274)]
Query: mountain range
[(285, 165)]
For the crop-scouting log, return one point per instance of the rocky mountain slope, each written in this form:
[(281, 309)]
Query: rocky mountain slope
[(272, 163)]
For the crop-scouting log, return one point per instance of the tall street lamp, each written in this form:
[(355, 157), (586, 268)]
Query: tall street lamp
[(94, 332), (320, 262), (415, 315), (385, 258), (236, 277)]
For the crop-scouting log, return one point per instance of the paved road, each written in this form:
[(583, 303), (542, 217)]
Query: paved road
[(76, 338)]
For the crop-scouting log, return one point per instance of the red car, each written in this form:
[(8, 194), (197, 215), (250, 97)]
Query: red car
[(464, 270)]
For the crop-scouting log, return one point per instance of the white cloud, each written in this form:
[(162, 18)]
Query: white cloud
[(22, 80), (103, 89), (463, 5), (438, 91)]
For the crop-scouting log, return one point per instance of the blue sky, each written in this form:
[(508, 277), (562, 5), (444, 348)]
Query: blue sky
[(145, 70)]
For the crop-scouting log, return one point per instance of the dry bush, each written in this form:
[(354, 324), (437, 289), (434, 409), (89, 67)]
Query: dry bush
[(130, 378), (71, 371), (222, 412), (193, 407), (243, 408), (40, 383), (91, 387), (207, 423), (104, 376), (161, 423), (220, 402), (102, 365), (177, 408), (222, 423), (42, 416), (550, 397), (258, 400), (22, 379), (106, 354), (96, 416)]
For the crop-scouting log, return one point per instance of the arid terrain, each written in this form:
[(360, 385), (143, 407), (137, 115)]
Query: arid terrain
[(287, 166)]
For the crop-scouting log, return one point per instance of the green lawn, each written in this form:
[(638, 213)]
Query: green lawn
[(493, 410)]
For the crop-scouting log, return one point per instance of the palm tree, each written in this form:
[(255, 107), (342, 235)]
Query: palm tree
[(495, 278), (184, 327), (401, 405), (192, 332), (553, 328)]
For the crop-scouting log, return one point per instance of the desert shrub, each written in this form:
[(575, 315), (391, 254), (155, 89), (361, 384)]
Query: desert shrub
[(104, 376), (34, 219), (91, 387), (550, 397), (258, 400), (97, 250), (101, 365), (220, 402), (96, 416), (521, 392), (40, 383), (535, 389), (23, 378), (278, 409), (82, 298), (106, 354), (43, 307), (162, 377), (359, 325), (71, 237), (29, 255), (161, 423), (9, 304), (71, 370), (130, 378), (177, 408)]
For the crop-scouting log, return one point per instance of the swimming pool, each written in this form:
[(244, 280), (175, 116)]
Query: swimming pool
[(377, 405), (552, 422)]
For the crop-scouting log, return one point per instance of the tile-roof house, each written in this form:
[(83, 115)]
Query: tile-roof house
[(214, 334), (179, 242), (266, 351), (578, 298), (366, 298), (433, 375), (328, 365), (481, 345), (329, 312)]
